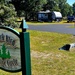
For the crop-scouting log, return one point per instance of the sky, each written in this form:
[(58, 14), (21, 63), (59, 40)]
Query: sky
[(70, 1)]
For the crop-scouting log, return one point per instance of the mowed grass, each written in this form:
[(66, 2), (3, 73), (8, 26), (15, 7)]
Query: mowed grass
[(46, 58), (48, 23)]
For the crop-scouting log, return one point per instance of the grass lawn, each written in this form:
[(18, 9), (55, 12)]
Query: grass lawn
[(46, 58), (73, 26), (44, 23)]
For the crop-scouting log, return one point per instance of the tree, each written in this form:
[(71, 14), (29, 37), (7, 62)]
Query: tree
[(0, 53), (74, 9), (70, 13), (7, 14), (8, 55), (64, 7), (51, 5), (66, 10), (61, 3), (29, 7)]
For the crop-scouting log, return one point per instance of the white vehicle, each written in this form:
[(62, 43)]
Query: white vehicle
[(49, 16), (56, 16)]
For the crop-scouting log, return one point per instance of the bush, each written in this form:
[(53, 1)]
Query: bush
[(8, 15)]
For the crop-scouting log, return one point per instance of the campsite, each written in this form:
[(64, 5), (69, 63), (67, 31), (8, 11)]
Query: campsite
[(37, 37)]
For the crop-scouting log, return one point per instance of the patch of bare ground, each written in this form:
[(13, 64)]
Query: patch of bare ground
[(51, 55)]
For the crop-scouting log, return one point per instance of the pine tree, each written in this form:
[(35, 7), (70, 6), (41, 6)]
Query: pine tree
[(4, 54), (0, 53), (8, 55), (3, 51)]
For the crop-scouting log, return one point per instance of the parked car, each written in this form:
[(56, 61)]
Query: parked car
[(70, 18)]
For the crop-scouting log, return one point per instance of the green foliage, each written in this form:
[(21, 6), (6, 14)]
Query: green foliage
[(67, 10), (29, 8), (74, 8), (8, 15), (32, 7), (51, 5)]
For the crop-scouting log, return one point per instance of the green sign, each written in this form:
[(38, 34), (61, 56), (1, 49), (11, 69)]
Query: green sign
[(10, 57), (15, 50)]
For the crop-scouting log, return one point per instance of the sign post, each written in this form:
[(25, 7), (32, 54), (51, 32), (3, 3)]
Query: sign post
[(25, 50), (15, 50)]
